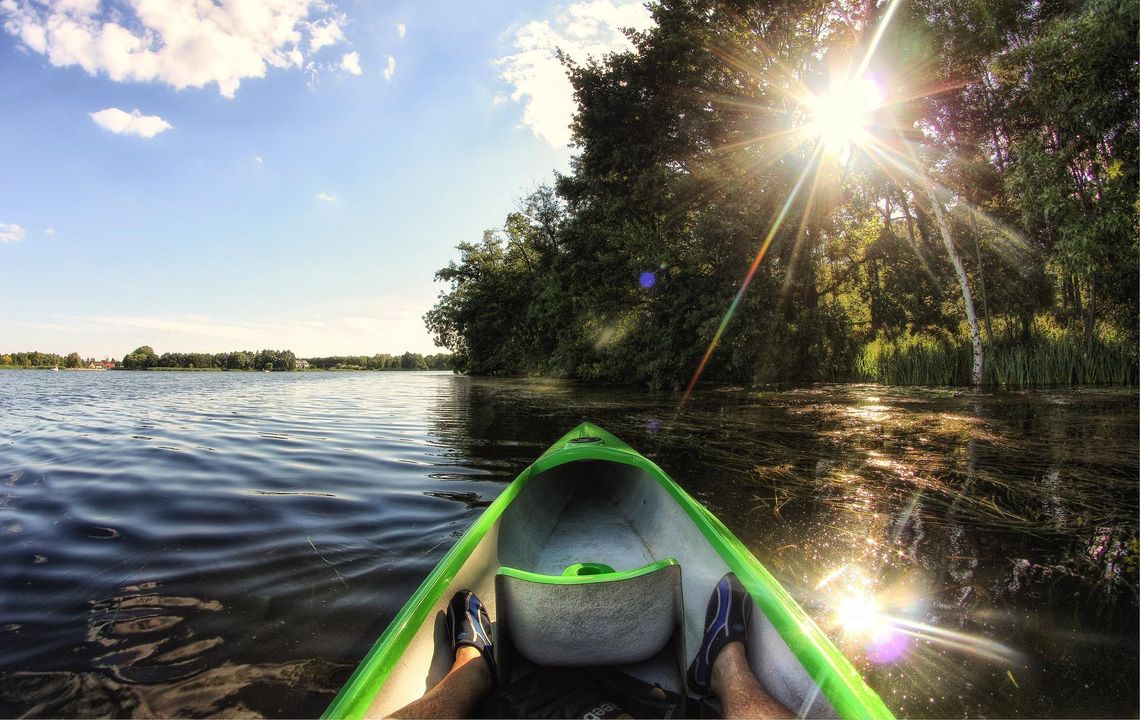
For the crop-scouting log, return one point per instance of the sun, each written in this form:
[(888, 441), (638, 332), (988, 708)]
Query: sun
[(841, 116)]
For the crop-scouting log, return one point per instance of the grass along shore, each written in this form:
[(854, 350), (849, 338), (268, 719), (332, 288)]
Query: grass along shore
[(1052, 355)]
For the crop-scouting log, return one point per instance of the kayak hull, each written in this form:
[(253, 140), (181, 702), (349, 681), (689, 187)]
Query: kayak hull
[(592, 499)]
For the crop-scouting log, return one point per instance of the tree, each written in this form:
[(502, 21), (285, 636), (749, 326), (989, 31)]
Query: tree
[(701, 228), (141, 358), (482, 317), (1075, 158), (963, 281)]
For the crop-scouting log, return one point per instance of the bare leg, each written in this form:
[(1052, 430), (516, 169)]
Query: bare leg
[(739, 691), (457, 693)]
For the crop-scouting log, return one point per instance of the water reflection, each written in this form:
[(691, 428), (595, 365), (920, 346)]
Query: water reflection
[(155, 654), (967, 551), (229, 690), (147, 636)]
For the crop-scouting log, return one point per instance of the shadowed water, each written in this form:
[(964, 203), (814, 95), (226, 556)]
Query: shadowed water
[(190, 544)]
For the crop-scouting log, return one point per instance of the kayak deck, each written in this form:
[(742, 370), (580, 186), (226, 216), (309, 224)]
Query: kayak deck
[(589, 530)]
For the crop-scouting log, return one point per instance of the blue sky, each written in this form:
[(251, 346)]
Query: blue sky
[(285, 174)]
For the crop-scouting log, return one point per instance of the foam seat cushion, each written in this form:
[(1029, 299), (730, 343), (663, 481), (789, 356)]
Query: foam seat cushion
[(608, 619)]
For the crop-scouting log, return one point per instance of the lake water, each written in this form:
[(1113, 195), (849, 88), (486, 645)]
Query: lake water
[(190, 544)]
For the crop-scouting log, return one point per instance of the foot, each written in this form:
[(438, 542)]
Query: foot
[(468, 626), (468, 655), (726, 621)]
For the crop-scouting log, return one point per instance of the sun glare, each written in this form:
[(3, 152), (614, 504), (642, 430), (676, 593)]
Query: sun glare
[(858, 616), (840, 116), (883, 624)]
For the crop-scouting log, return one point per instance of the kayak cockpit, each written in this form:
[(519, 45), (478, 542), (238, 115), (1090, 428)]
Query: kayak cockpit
[(605, 515)]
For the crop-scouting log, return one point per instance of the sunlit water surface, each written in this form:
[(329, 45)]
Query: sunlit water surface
[(190, 544)]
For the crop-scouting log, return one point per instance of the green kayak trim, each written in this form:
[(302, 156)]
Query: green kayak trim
[(837, 679), (586, 579)]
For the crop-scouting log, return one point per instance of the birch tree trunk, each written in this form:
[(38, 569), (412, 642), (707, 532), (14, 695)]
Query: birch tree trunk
[(982, 277), (960, 271)]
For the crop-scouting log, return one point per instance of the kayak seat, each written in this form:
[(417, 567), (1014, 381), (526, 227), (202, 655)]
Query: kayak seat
[(588, 616)]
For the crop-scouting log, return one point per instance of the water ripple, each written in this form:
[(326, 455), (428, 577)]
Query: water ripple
[(190, 544)]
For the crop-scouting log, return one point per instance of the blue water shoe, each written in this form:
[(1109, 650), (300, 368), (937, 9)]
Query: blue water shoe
[(468, 624), (726, 620)]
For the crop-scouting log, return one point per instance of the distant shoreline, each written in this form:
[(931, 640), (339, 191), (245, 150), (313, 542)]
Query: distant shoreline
[(199, 370), (144, 357)]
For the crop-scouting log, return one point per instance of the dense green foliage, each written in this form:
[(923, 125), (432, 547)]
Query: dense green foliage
[(1015, 122), (144, 358)]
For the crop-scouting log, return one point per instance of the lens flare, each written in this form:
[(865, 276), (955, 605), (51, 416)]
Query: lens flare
[(648, 279), (855, 115), (884, 625), (888, 648)]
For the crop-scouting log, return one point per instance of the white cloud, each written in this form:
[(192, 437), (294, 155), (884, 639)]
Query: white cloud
[(401, 29), (325, 32), (354, 325), (590, 28), (325, 197), (182, 44), (257, 159), (309, 326), (130, 123), (192, 326), (351, 63), (11, 232), (390, 68), (49, 231)]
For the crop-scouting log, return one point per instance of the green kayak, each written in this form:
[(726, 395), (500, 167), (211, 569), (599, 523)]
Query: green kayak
[(595, 532)]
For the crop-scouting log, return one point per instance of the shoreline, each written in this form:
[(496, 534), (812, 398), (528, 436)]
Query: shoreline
[(225, 370)]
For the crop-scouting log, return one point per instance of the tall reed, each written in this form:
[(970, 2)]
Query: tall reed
[(1052, 354)]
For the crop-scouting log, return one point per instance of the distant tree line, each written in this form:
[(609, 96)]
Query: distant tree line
[(35, 359), (382, 361), (145, 358), (990, 204)]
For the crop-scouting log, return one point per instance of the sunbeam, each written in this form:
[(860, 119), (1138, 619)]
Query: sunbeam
[(878, 36), (748, 278), (892, 162), (835, 121)]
